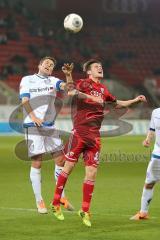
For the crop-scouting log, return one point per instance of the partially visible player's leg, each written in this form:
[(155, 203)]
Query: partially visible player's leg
[(59, 164), (57, 172), (72, 150), (55, 145), (62, 179), (146, 198), (35, 177), (58, 169), (35, 149), (88, 188), (91, 158), (152, 176)]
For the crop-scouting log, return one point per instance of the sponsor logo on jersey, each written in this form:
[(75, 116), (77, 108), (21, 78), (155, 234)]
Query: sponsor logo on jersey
[(45, 89), (95, 93), (102, 90)]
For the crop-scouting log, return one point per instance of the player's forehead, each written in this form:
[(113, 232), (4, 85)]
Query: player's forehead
[(48, 61), (96, 65)]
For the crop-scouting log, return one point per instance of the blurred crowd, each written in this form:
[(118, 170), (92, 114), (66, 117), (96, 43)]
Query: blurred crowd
[(66, 46)]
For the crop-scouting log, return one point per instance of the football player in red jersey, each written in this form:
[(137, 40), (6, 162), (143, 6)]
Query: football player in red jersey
[(85, 138)]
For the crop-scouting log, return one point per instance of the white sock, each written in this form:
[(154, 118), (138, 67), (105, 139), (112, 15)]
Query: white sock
[(35, 176), (57, 172), (146, 199)]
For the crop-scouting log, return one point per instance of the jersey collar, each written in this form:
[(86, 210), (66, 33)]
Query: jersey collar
[(40, 76)]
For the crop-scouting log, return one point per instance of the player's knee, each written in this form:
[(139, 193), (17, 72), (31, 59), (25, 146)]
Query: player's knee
[(36, 164), (91, 173), (68, 167), (37, 161), (149, 185), (59, 160)]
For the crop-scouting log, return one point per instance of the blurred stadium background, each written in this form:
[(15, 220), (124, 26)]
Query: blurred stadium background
[(125, 34)]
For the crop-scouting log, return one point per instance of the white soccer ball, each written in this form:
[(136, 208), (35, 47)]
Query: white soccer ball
[(73, 22)]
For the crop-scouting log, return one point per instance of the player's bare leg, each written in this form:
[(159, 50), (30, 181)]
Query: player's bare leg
[(62, 179), (146, 198), (35, 176), (88, 187)]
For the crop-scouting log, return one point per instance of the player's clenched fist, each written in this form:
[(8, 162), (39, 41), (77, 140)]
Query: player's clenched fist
[(141, 98)]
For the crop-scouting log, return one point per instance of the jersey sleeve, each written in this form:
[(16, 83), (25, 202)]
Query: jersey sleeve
[(108, 96), (56, 83), (152, 124), (24, 88), (81, 85)]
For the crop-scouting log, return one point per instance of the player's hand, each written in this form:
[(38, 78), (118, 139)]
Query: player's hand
[(67, 68), (140, 98), (146, 143), (37, 122), (73, 92)]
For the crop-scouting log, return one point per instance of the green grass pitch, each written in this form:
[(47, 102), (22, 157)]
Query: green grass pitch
[(116, 197)]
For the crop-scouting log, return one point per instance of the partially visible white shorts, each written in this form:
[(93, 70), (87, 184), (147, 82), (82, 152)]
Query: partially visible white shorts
[(42, 140), (153, 171)]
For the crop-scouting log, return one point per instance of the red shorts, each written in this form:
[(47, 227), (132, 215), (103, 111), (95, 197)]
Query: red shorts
[(89, 147)]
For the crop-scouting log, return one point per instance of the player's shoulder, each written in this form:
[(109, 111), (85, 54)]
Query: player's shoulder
[(82, 80), (26, 79), (82, 83), (156, 112), (54, 79)]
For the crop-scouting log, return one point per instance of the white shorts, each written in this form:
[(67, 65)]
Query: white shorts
[(42, 140), (153, 171)]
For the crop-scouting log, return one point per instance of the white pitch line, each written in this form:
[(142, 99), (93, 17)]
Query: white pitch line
[(71, 212), (19, 209)]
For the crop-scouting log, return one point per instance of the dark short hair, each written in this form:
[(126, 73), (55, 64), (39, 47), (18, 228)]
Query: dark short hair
[(87, 65), (48, 57)]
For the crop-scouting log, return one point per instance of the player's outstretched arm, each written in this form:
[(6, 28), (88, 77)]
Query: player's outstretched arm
[(140, 98), (82, 95), (149, 138), (29, 110)]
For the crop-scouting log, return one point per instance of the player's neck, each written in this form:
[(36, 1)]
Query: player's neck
[(42, 74), (96, 80)]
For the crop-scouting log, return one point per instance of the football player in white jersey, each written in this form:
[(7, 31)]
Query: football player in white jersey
[(153, 170), (38, 93)]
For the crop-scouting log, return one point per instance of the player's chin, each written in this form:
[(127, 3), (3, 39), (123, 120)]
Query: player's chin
[(47, 72), (100, 75)]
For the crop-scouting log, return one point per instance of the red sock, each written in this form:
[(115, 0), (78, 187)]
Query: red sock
[(62, 179), (88, 187)]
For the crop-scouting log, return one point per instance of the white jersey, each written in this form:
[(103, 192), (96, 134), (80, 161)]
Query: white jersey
[(42, 93), (155, 126)]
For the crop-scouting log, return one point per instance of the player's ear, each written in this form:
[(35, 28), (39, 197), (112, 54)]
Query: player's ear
[(88, 72)]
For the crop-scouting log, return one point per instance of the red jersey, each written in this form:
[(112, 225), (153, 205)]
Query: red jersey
[(87, 115)]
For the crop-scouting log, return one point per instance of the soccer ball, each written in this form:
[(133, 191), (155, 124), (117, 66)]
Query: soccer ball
[(73, 23)]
